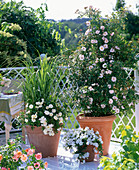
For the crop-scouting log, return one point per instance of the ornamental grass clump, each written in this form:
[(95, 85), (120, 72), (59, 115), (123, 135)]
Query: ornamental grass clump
[(98, 68), (12, 156), (77, 141), (128, 157), (42, 107)]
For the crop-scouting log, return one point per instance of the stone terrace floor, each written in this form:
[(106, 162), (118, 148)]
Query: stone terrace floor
[(64, 158)]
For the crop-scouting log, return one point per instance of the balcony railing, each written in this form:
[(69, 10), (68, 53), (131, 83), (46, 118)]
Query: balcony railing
[(131, 118)]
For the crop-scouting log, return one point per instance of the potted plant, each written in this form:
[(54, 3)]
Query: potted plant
[(44, 117), (4, 82), (12, 156), (101, 84), (83, 143)]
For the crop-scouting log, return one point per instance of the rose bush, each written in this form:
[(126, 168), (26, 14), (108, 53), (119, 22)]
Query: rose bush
[(12, 156), (99, 67)]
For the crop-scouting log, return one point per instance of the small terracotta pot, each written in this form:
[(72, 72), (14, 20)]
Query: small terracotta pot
[(101, 124), (91, 157), (45, 144)]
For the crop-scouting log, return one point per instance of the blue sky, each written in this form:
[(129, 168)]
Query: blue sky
[(65, 9)]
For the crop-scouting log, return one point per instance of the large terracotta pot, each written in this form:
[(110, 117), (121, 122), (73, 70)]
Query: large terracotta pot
[(101, 124), (47, 145)]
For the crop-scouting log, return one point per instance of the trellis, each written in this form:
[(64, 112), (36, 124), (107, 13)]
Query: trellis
[(131, 119)]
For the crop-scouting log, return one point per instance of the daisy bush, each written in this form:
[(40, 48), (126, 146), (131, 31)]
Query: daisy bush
[(12, 156), (99, 67), (78, 140), (42, 107)]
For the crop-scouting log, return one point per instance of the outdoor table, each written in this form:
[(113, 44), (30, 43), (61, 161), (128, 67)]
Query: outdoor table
[(10, 106)]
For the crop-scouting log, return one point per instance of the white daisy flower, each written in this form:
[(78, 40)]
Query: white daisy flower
[(31, 106)]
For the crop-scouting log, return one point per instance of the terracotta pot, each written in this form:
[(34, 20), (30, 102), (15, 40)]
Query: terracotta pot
[(91, 157), (45, 144), (101, 124)]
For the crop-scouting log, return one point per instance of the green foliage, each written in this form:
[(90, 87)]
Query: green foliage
[(97, 67), (12, 49), (12, 156), (78, 140), (128, 157), (42, 107), (36, 30), (119, 4)]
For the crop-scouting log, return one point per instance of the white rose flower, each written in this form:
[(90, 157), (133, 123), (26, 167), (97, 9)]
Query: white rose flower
[(90, 88), (109, 86), (105, 45), (111, 91), (91, 100), (115, 98), (112, 50), (102, 60), (113, 79), (97, 31), (114, 108), (104, 65), (117, 110), (110, 101), (81, 57), (83, 48), (103, 106), (101, 48), (88, 23), (102, 27)]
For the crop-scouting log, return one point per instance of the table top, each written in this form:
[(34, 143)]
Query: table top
[(10, 105)]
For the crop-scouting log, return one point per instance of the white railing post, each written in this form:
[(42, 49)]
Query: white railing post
[(137, 105)]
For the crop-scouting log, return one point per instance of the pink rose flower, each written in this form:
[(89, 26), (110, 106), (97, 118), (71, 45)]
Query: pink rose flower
[(30, 168), (37, 165), (38, 156)]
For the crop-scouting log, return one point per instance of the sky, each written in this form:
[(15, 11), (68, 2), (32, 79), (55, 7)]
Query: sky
[(65, 9)]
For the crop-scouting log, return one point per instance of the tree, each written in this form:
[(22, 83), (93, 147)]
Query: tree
[(119, 4), (38, 33), (12, 49)]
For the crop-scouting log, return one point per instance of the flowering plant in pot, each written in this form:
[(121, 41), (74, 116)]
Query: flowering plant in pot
[(43, 114), (12, 156), (98, 75), (83, 143)]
